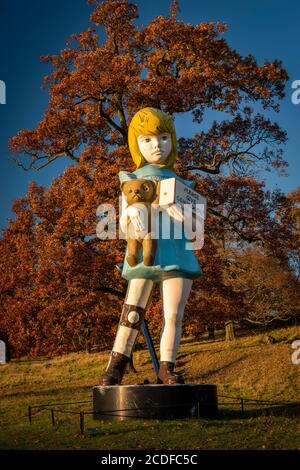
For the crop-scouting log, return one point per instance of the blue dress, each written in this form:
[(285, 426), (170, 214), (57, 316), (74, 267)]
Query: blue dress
[(172, 259)]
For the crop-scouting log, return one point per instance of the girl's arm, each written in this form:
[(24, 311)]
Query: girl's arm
[(179, 215), (134, 213), (123, 216)]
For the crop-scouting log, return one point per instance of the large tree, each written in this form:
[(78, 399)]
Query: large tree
[(71, 293), (271, 293)]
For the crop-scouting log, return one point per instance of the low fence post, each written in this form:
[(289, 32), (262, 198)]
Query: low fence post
[(81, 414), (52, 417)]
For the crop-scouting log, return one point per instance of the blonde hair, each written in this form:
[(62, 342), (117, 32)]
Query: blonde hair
[(151, 121)]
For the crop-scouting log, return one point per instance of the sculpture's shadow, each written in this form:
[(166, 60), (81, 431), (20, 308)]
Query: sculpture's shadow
[(287, 411)]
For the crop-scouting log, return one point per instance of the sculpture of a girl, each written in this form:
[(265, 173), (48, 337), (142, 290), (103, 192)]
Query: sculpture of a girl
[(153, 147)]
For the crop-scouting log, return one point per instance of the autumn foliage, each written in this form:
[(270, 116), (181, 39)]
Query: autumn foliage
[(60, 288)]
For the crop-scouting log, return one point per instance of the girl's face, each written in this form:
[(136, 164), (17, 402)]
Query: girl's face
[(155, 148)]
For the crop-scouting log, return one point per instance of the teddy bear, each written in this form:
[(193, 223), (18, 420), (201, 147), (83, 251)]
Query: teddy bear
[(140, 192)]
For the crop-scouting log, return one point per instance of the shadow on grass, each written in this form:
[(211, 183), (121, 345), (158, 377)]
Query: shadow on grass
[(287, 411), (211, 373), (197, 351), (48, 392), (25, 361)]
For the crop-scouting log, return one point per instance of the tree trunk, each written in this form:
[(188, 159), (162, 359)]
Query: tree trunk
[(229, 329), (211, 332)]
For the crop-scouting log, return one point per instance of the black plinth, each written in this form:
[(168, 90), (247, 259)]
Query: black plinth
[(120, 402)]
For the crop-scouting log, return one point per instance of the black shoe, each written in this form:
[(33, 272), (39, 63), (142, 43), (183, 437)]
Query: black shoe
[(115, 369), (166, 374)]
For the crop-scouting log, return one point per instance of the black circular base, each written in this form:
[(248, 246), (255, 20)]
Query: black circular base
[(119, 402)]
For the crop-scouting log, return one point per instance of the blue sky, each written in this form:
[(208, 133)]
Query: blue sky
[(269, 29)]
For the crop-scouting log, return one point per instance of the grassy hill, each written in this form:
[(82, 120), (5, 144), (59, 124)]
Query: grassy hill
[(243, 368)]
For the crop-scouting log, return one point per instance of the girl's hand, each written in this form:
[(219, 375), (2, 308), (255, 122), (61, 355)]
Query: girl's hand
[(175, 212), (183, 216), (137, 217)]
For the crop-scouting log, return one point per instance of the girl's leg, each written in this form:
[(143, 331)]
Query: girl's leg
[(137, 298), (175, 292)]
